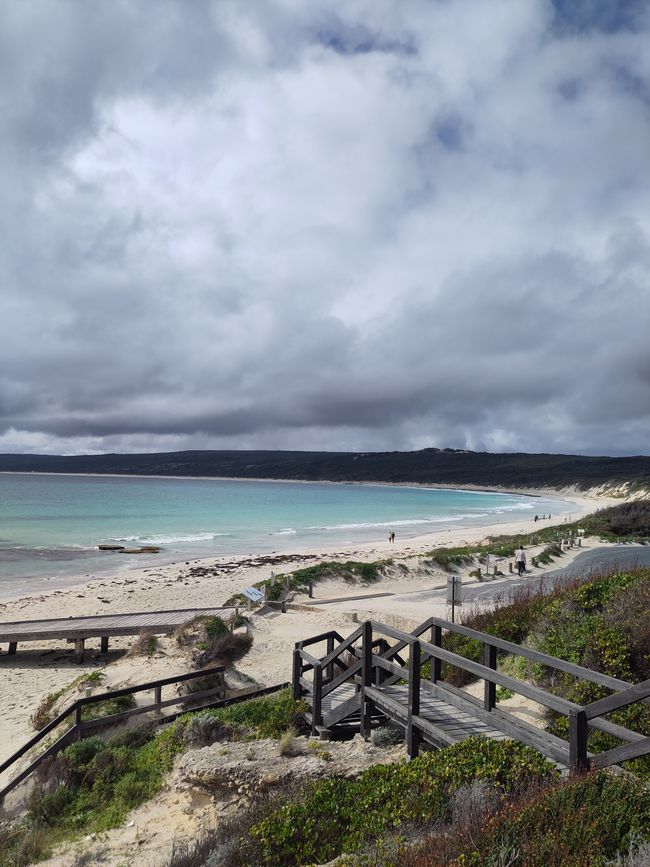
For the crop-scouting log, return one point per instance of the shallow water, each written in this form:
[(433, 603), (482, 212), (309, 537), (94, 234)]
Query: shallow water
[(50, 525)]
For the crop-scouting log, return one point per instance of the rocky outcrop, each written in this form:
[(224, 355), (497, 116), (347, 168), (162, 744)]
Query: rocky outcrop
[(248, 767)]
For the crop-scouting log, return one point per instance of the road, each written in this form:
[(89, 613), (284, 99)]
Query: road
[(486, 594)]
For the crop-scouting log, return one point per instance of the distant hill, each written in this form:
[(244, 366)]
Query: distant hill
[(438, 466)]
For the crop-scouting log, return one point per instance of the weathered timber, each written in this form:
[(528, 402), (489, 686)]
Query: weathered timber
[(439, 713)]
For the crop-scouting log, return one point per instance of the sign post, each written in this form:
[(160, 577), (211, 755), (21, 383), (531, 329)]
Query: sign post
[(454, 594)]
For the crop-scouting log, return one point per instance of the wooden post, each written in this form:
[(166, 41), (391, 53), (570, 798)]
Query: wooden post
[(79, 649), (296, 688), (489, 689), (366, 679), (329, 671), (510, 567), (12, 647), (77, 723), (412, 732), (578, 731), (436, 664), (478, 573), (317, 698), (157, 694), (104, 644), (311, 589)]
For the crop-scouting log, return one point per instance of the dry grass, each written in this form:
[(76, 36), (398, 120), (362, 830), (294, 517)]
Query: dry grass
[(146, 644), (289, 745)]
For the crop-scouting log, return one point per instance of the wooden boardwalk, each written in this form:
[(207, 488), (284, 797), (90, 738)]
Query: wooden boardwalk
[(377, 675), (102, 626), (447, 725)]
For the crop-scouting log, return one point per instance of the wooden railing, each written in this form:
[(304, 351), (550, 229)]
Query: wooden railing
[(81, 727), (378, 663)]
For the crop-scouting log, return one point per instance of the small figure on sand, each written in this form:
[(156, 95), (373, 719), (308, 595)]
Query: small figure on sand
[(520, 560), (536, 518), (391, 537)]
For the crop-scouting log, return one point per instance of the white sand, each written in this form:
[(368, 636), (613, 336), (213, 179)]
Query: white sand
[(40, 668)]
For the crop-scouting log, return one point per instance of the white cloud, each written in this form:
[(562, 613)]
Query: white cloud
[(361, 225)]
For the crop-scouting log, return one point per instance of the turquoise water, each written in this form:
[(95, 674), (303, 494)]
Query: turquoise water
[(50, 525)]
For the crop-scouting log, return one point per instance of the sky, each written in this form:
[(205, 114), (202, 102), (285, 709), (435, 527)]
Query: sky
[(354, 225)]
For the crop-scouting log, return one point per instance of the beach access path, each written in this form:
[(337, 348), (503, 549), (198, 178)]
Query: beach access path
[(103, 626)]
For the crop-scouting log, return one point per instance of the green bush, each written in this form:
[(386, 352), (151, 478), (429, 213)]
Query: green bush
[(337, 816), (583, 821), (215, 627), (267, 717), (109, 707)]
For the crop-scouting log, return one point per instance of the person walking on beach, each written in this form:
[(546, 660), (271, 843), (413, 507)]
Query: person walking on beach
[(520, 560)]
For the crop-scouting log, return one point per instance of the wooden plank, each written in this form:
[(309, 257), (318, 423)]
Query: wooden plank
[(58, 745), (340, 711), (614, 702), (101, 625), (546, 743), (534, 655), (342, 678), (436, 736), (102, 722), (620, 754)]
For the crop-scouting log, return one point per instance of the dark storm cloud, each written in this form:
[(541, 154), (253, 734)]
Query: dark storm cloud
[(359, 225)]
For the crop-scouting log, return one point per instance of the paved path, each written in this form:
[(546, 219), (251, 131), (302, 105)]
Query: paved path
[(485, 594)]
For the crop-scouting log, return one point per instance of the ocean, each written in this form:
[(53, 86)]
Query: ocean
[(50, 525)]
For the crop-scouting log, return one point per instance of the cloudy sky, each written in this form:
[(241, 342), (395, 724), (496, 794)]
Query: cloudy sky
[(366, 224)]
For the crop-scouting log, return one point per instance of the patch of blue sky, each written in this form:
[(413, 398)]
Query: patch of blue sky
[(608, 16), (358, 39)]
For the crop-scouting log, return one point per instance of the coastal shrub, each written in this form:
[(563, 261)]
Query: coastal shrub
[(215, 627), (584, 821), (109, 707), (266, 717), (387, 736), (289, 745), (556, 623), (102, 781), (351, 571), (226, 649), (625, 521), (145, 644), (337, 816), (451, 558), (43, 713)]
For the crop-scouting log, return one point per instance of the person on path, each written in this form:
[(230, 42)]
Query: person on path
[(520, 560)]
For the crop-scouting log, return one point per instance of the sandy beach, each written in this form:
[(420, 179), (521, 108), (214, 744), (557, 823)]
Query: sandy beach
[(38, 669)]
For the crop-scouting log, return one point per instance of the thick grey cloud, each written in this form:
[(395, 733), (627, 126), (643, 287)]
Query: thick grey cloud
[(367, 224)]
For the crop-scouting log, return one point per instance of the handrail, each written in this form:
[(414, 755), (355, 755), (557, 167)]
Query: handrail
[(78, 704), (345, 643), (638, 692), (316, 639), (534, 655), (382, 668), (485, 673)]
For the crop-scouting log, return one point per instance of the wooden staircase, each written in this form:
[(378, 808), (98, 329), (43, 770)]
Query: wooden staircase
[(374, 676)]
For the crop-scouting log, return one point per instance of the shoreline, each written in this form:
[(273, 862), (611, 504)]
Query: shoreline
[(439, 486), (46, 667), (83, 576), (407, 546)]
